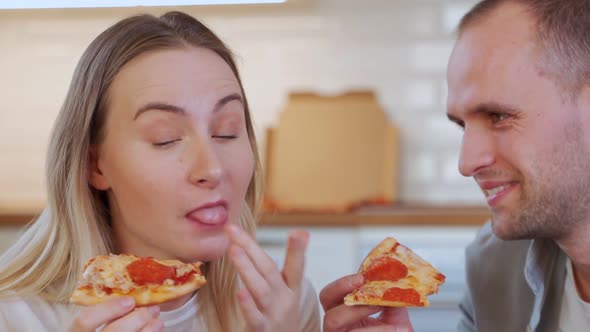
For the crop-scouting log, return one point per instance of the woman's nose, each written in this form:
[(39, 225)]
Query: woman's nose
[(206, 169)]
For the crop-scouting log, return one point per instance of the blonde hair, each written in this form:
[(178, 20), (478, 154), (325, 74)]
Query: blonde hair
[(75, 226)]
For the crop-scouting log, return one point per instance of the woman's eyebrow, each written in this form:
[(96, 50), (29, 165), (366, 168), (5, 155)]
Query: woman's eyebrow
[(166, 107), (159, 106)]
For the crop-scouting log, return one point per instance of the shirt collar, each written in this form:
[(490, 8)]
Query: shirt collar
[(540, 265)]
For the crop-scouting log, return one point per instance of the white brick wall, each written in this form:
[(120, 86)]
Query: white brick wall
[(399, 48)]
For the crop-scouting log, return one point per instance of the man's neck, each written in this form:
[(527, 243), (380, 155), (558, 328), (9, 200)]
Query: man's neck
[(577, 248)]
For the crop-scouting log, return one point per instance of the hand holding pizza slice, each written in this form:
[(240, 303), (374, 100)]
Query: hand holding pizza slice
[(395, 277), (148, 281)]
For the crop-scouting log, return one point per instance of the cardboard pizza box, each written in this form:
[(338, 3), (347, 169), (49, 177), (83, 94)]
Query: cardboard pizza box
[(331, 154)]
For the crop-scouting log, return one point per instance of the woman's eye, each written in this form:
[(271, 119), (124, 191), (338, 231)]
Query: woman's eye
[(165, 143), (225, 136)]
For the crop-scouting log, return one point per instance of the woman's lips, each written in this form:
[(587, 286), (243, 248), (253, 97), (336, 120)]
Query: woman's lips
[(212, 215)]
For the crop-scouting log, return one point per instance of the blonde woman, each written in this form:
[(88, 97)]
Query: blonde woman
[(153, 153)]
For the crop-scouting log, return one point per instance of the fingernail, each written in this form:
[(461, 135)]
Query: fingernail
[(154, 310), (303, 237), (299, 238), (235, 230), (359, 279), (127, 302)]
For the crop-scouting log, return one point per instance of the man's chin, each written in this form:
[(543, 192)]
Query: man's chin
[(507, 229)]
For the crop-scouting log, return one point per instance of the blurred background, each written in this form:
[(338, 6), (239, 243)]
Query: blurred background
[(376, 65)]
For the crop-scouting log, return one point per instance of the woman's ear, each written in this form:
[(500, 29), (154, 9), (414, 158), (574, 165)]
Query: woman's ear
[(96, 177)]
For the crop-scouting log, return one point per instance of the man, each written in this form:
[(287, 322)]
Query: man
[(519, 86)]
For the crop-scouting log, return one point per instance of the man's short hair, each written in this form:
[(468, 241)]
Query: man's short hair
[(562, 32)]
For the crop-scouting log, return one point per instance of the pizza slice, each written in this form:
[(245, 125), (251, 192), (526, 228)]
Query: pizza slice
[(395, 277), (147, 280)]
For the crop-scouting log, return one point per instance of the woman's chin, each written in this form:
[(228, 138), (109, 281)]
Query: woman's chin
[(206, 250)]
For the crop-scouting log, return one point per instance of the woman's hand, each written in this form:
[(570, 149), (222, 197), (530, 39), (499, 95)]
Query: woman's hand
[(342, 318), (270, 300), (118, 315)]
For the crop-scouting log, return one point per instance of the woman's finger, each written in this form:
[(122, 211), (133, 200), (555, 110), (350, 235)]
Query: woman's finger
[(91, 318), (253, 316), (263, 263), (254, 281), (135, 321), (155, 325), (295, 259)]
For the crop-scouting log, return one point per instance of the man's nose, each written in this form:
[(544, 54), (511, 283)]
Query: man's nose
[(477, 151)]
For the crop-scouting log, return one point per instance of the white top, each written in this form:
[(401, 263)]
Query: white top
[(575, 313), (37, 315)]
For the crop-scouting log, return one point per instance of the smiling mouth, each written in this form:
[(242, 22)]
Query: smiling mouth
[(492, 192)]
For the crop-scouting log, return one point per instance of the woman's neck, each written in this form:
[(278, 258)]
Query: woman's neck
[(176, 303)]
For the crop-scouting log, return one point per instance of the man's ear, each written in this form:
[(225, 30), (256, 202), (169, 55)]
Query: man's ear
[(96, 177)]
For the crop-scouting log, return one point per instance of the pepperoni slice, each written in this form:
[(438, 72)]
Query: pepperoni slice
[(406, 295), (386, 268), (394, 247), (183, 279), (147, 271), (107, 290), (440, 277)]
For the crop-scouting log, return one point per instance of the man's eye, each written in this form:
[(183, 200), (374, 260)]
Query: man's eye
[(225, 136), (166, 143), (497, 117)]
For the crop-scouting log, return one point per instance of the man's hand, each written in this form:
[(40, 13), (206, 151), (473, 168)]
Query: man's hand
[(343, 318)]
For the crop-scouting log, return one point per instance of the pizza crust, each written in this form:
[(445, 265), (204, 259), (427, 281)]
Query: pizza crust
[(351, 300), (143, 296)]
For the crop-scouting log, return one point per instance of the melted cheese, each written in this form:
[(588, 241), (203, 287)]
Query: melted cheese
[(184, 269), (421, 275), (110, 271)]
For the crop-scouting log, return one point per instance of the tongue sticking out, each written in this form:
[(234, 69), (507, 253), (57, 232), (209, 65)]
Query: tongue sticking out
[(210, 216)]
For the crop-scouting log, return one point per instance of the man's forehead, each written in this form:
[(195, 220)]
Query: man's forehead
[(489, 57), (508, 26), (507, 16)]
